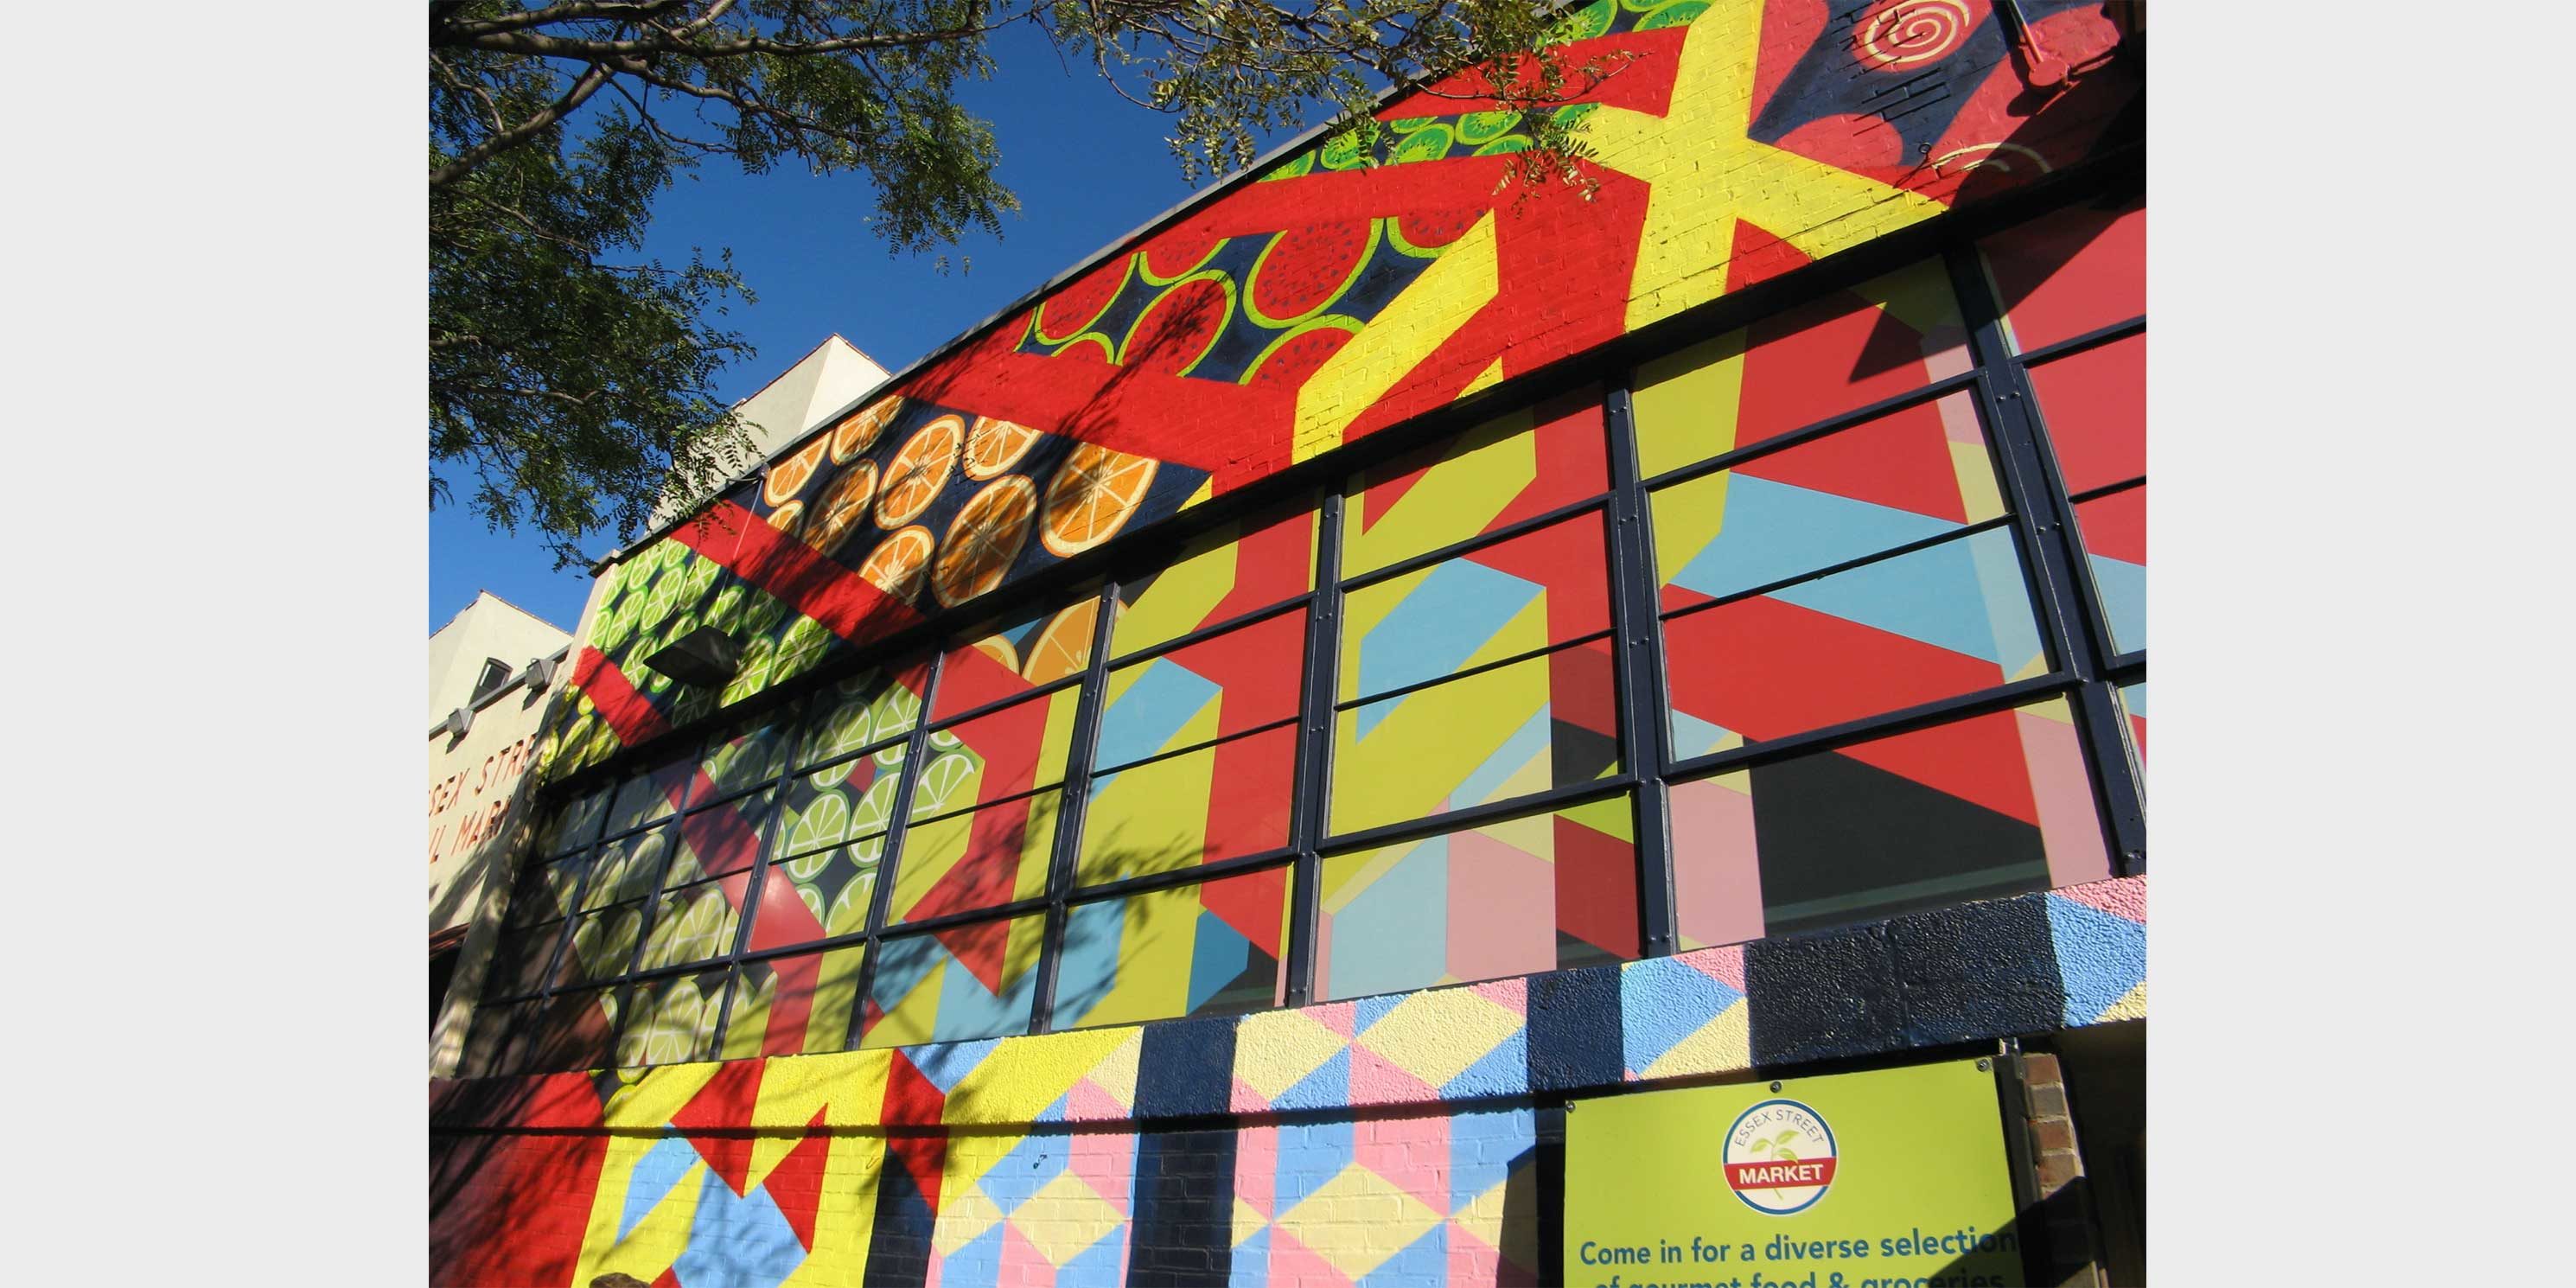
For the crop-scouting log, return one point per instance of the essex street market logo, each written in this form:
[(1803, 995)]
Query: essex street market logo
[(1779, 1157)]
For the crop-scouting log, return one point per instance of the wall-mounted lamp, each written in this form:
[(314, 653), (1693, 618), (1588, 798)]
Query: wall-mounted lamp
[(705, 657)]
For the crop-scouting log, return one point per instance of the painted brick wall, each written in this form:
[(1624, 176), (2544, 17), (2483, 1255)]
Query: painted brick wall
[(1383, 1141)]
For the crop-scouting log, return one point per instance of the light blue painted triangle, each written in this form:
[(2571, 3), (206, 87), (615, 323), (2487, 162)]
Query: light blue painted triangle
[(2100, 957)]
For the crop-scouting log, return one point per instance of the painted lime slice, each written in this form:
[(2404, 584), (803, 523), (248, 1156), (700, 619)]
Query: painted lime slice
[(946, 783)]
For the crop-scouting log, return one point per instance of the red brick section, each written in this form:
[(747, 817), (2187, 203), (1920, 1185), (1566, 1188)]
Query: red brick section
[(2065, 1207)]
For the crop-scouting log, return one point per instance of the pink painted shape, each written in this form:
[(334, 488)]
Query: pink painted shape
[(938, 1263), (1717, 873), (1294, 1264), (1471, 1259), (1105, 1161), (2120, 897), (1247, 1099), (1725, 965), (1256, 1168), (1412, 1153), (1375, 1080), (1089, 1102), (1495, 926), (1510, 994), (2068, 825), (1023, 1266), (1335, 1016)]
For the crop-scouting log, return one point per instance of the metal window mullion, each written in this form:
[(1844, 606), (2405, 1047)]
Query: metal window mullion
[(759, 883), (1310, 813), (2070, 609), (1639, 674), (916, 749), (1069, 818)]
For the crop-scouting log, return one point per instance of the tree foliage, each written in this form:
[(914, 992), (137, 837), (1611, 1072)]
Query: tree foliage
[(573, 381)]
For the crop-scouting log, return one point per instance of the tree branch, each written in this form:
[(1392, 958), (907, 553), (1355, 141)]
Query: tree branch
[(581, 91)]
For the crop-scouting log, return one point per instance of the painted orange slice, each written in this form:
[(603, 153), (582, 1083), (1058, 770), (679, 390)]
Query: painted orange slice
[(789, 476), (898, 562), (858, 431), (788, 518), (1094, 495), (919, 470), (985, 538), (843, 507), (994, 446), (1064, 647)]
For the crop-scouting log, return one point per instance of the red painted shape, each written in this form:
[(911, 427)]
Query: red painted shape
[(1824, 358), (2070, 271), (1789, 28), (1246, 665), (510, 1209), (669, 1278), (796, 1183), (2095, 403), (1900, 460), (724, 1104), (1271, 563), (1247, 810), (1977, 760), (1250, 904), (559, 1101), (2115, 526), (1568, 561), (1596, 888), (1766, 668), (913, 1100), (1640, 67), (629, 715), (791, 1005), (796, 575), (969, 678), (980, 946), (1758, 255), (982, 878), (1143, 413), (1009, 741), (1580, 689)]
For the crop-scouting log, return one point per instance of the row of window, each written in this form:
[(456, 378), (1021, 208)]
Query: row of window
[(1001, 834)]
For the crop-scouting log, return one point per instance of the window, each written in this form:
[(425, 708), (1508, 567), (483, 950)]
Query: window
[(1832, 616), (495, 674)]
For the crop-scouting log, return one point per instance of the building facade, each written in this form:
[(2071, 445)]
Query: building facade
[(492, 670), (1196, 781)]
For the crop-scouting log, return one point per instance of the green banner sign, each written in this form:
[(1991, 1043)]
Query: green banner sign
[(1890, 1179)]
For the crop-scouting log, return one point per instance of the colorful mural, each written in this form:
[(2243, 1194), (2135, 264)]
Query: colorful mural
[(1382, 1140), (1351, 288), (764, 1010)]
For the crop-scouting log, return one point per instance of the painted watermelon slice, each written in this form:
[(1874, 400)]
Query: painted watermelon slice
[(1304, 270), (1422, 233), (1172, 257), (1291, 361), (1177, 329), (1079, 303)]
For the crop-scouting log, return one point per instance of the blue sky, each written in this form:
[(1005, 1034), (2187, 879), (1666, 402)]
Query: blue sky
[(1087, 166)]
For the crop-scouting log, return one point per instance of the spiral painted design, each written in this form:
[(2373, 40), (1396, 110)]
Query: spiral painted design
[(1905, 32)]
